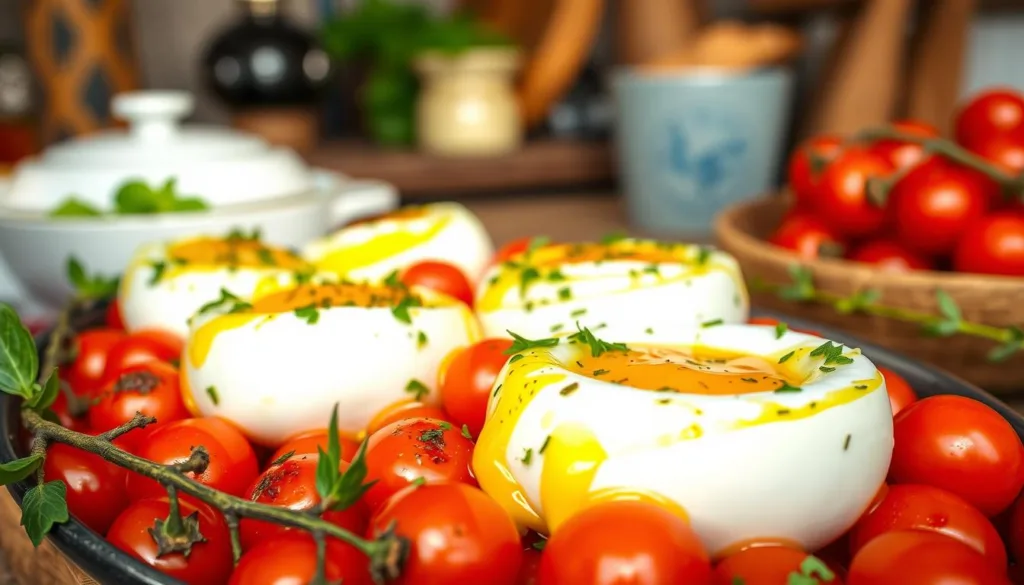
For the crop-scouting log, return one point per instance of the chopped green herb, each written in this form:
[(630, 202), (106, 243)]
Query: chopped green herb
[(786, 357), (266, 256), (237, 305), (520, 343), (556, 276), (780, 330), (846, 443), (159, 267), (599, 372), (309, 313), (466, 433), (711, 323), (597, 346), (401, 310), (527, 277), (564, 293), (212, 393), (392, 279), (421, 339), (703, 255), (527, 456), (569, 389), (539, 545), (578, 313), (417, 389), (556, 327), (445, 426), (649, 331), (282, 458), (785, 388), (613, 237), (419, 481), (826, 369), (515, 358), (544, 445)]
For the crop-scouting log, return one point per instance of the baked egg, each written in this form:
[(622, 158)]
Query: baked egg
[(275, 366), (750, 432), (638, 287), (167, 282), (372, 249)]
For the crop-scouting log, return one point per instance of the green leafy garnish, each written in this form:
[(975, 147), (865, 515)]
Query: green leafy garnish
[(802, 287), (90, 287), (780, 330), (952, 317), (711, 323), (811, 572), (138, 197), (417, 389), (19, 363), (520, 343), (612, 237), (74, 207), (536, 243), (43, 506), (466, 433), (598, 346), (339, 490), (19, 469), (211, 391), (308, 313), (401, 309), (226, 299)]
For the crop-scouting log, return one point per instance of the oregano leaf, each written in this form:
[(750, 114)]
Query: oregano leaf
[(43, 506), (19, 469)]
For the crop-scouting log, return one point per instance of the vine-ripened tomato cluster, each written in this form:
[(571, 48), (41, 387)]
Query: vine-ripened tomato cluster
[(903, 198)]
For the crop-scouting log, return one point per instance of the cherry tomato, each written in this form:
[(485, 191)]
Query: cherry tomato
[(960, 445), (923, 507), (290, 559), (457, 532), (232, 461), (292, 484), (804, 174), (92, 348), (890, 256), (624, 541), (992, 245), (76, 418), (305, 444), (1015, 529), (808, 236), (843, 203), (512, 249), (919, 557), (469, 380), (96, 493), (905, 154), (773, 565), (1006, 152), (151, 388), (143, 346), (405, 411), (900, 392), (112, 316), (415, 450), (776, 323), (933, 204), (996, 112), (439, 276), (208, 563), (529, 570)]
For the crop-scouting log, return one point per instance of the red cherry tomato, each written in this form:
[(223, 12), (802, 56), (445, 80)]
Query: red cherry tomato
[(77, 418), (843, 203), (808, 236), (208, 563), (305, 444), (905, 154), (112, 316), (439, 276), (1015, 529), (992, 245), (1006, 152), (994, 113), (232, 461), (923, 507), (292, 484), (803, 175), (92, 349), (469, 379), (960, 445), (919, 557), (405, 411), (890, 256), (776, 323), (95, 493), (934, 203), (416, 450), (151, 388), (773, 565), (458, 535), (143, 346), (512, 249), (624, 541), (529, 570), (900, 392), (291, 560)]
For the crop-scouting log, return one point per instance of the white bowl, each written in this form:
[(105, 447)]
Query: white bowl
[(36, 247)]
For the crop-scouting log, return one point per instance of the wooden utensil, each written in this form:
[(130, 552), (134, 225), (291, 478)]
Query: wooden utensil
[(647, 29), (732, 45)]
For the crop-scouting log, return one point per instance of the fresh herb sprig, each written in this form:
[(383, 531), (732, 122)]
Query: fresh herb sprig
[(135, 198)]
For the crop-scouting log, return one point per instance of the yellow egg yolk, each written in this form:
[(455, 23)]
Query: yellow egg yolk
[(344, 256), (237, 252), (335, 295)]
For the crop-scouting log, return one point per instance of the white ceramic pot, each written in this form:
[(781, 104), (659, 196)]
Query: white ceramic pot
[(247, 184)]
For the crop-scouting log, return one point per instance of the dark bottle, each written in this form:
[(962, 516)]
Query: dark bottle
[(264, 60)]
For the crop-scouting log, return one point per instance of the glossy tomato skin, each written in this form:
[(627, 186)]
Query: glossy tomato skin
[(807, 236), (512, 249), (152, 388), (900, 392), (771, 565), (962, 446), (890, 256), (92, 349), (457, 532), (803, 178), (905, 154), (112, 316), (232, 461), (416, 450), (76, 421), (290, 559), (994, 113), (143, 346), (405, 411), (923, 507), (209, 563), (305, 445), (292, 484), (918, 557), (843, 203), (1006, 152), (95, 493), (934, 203), (992, 245), (469, 379), (439, 276), (624, 541)]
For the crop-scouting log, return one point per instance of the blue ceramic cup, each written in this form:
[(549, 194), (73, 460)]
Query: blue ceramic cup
[(694, 142)]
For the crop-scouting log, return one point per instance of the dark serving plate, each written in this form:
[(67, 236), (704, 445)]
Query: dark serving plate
[(94, 555)]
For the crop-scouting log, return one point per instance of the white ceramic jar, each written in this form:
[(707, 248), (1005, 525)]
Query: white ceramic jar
[(467, 104)]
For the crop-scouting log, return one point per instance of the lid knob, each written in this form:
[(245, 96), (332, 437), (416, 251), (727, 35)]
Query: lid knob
[(153, 114)]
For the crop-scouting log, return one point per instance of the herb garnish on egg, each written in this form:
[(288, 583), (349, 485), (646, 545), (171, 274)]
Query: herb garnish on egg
[(226, 298), (417, 389), (597, 346)]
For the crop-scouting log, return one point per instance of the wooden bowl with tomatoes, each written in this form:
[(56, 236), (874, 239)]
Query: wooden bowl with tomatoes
[(904, 238)]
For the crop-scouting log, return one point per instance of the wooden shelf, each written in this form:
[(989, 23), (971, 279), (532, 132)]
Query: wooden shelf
[(542, 164)]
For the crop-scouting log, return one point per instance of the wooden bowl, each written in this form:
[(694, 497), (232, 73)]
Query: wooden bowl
[(996, 301)]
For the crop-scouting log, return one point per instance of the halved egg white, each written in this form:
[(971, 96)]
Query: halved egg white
[(371, 250), (167, 282), (750, 434), (277, 367), (639, 287)]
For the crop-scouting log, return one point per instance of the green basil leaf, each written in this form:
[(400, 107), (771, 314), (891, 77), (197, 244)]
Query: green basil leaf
[(136, 197), (19, 362), (350, 487), (19, 469), (74, 207), (189, 204), (47, 394), (43, 506)]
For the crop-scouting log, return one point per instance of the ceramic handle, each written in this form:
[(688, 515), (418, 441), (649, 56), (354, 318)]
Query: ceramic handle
[(153, 114), (358, 199)]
